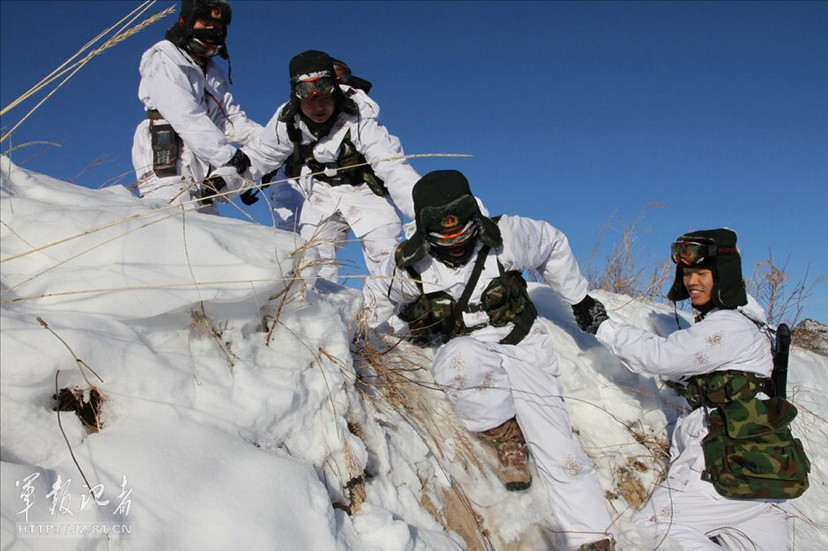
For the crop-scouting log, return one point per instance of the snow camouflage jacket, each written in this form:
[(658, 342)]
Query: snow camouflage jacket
[(199, 106), (746, 450), (527, 244), (369, 137)]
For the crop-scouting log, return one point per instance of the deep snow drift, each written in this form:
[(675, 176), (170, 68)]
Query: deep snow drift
[(240, 412)]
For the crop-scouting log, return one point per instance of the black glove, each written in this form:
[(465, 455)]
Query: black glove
[(248, 197), (211, 187), (589, 313), (239, 161)]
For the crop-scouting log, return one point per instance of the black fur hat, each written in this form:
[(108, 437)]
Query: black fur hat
[(310, 62), (729, 287), (437, 195), (183, 34), (320, 64), (217, 11)]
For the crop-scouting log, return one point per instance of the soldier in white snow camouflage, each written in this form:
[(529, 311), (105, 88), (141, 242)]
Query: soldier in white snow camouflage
[(457, 282)]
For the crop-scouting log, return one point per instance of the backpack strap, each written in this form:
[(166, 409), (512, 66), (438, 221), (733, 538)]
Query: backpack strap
[(474, 277), (780, 342), (293, 165)]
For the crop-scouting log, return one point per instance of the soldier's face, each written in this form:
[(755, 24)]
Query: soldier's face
[(699, 285), (317, 108), (207, 24)]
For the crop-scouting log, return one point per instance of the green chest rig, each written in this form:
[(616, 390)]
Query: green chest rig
[(722, 387), (437, 315), (349, 169)]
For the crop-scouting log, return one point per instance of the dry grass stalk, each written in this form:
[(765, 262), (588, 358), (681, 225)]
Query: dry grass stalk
[(10, 150), (93, 164), (86, 403), (458, 515), (114, 40), (80, 363), (621, 274), (66, 438), (104, 290), (79, 254), (203, 326), (768, 285), (90, 231), (288, 294), (396, 376), (227, 196)]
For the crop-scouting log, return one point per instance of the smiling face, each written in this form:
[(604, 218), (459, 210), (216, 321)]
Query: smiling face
[(699, 285)]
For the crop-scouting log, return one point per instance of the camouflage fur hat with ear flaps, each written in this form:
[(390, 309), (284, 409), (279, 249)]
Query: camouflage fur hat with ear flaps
[(436, 195), (729, 286)]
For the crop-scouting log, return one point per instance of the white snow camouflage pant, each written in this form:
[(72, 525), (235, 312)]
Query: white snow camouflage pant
[(490, 383), (693, 515), (326, 216)]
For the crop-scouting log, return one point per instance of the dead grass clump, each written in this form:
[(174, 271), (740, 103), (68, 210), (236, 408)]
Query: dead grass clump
[(769, 285), (458, 516), (622, 273), (85, 402), (658, 446), (203, 326), (629, 485), (811, 335), (355, 490), (355, 487), (296, 286)]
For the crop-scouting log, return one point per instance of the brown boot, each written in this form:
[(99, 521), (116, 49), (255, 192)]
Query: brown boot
[(512, 454), (606, 544)]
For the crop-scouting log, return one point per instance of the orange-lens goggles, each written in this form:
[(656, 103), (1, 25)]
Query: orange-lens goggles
[(692, 253), (454, 236), (320, 87)]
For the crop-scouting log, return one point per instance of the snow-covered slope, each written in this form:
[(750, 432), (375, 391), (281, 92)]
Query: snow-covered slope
[(243, 410)]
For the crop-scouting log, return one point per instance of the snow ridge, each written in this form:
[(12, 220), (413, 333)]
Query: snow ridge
[(244, 409)]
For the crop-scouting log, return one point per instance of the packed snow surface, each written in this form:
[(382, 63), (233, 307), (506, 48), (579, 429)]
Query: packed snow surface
[(243, 408)]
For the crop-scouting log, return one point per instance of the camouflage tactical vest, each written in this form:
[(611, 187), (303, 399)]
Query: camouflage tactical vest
[(505, 300), (749, 451), (351, 167)]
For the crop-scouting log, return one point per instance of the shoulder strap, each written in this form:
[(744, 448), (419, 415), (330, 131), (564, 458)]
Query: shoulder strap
[(472, 283), (294, 163)]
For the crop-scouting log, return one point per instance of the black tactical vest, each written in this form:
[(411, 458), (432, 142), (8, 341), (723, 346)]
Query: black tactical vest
[(350, 168)]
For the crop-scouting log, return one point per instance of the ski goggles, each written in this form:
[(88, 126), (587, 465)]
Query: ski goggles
[(693, 253), (457, 235), (318, 87)]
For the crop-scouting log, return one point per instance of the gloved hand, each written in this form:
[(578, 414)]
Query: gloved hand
[(239, 161), (224, 178), (209, 188), (248, 197), (589, 313)]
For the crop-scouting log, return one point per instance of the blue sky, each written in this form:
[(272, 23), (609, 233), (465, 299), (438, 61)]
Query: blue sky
[(577, 113)]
